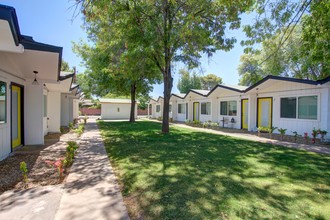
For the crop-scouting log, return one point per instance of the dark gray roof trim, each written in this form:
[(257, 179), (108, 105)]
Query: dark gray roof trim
[(225, 87), (67, 77), (8, 13), (304, 81)]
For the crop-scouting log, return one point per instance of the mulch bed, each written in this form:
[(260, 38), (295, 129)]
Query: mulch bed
[(287, 138), (39, 172)]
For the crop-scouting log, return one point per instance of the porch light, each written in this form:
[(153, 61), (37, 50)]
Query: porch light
[(35, 82)]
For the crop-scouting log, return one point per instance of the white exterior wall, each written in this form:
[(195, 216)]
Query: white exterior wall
[(33, 117), (299, 125), (75, 108), (45, 118), (64, 110), (54, 111), (109, 111)]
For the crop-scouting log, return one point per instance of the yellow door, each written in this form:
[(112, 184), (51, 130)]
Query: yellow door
[(16, 116), (196, 111), (245, 113), (265, 112)]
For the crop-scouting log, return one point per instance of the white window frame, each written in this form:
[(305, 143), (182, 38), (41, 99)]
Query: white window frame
[(227, 114), (185, 110), (297, 111), (157, 107), (201, 107)]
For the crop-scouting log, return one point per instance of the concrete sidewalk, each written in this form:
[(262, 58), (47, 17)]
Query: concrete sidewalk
[(91, 190), (250, 137)]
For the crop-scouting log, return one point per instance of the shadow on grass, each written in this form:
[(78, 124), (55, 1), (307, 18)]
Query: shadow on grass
[(195, 175)]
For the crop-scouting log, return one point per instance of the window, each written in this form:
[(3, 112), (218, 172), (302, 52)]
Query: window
[(157, 108), (288, 107), (170, 109), (205, 108), (3, 102), (45, 106), (305, 108), (228, 108), (181, 108)]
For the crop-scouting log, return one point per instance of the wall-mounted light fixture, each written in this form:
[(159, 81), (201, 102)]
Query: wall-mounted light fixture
[(35, 81)]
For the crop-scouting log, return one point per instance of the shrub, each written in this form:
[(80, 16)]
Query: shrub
[(295, 135), (58, 165), (71, 126), (24, 170), (282, 132), (80, 129), (314, 134), (322, 133)]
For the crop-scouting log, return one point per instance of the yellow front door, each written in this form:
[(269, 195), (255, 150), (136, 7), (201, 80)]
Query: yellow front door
[(245, 113), (16, 116), (265, 112), (196, 111)]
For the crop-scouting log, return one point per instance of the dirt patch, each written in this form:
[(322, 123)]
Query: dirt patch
[(40, 173)]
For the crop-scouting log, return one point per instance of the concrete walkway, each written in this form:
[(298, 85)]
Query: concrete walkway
[(91, 190), (250, 137)]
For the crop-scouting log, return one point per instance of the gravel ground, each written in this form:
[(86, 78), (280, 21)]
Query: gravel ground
[(39, 172)]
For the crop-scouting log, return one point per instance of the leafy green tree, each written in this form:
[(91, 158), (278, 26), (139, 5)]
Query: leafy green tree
[(294, 36), (115, 68), (187, 81), (249, 70), (65, 66), (85, 84), (170, 31), (209, 81), (288, 60)]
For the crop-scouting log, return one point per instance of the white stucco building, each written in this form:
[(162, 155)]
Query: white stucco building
[(116, 109)]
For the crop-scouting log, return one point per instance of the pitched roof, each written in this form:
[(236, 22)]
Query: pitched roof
[(288, 79)]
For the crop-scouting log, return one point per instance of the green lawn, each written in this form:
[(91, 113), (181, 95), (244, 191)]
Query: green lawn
[(195, 175)]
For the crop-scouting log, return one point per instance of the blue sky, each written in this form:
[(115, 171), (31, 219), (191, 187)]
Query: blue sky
[(51, 22)]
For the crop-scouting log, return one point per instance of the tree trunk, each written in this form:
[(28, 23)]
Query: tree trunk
[(133, 93), (168, 80)]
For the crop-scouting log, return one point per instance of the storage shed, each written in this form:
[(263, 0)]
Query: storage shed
[(116, 109)]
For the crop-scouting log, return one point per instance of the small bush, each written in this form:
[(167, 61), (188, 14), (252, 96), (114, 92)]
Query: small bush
[(24, 170), (80, 129)]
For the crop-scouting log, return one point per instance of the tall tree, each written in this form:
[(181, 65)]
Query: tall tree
[(113, 70), (187, 81), (209, 81), (172, 30), (65, 66), (294, 35), (290, 60), (85, 84)]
